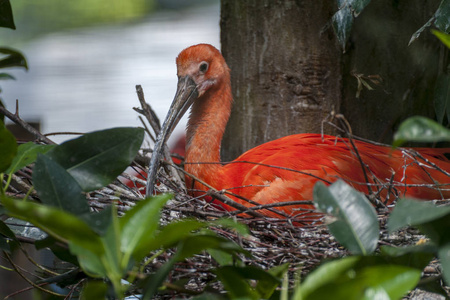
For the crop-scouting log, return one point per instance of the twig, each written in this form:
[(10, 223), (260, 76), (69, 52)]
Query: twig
[(16, 119)]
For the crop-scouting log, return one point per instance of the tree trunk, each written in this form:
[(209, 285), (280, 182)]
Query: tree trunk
[(288, 72)]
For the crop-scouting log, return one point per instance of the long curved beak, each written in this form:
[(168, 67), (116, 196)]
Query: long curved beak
[(184, 97)]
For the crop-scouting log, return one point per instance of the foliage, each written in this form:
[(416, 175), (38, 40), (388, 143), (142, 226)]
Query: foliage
[(108, 252), (101, 244), (9, 57), (348, 10)]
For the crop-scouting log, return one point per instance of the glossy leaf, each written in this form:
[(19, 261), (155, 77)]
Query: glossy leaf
[(420, 129), (350, 282), (355, 224), (442, 16), (325, 274), (411, 212), (442, 97), (96, 159), (60, 224), (27, 154), (416, 256), (441, 19), (56, 187), (8, 147), (344, 17), (12, 58), (6, 15), (342, 25), (140, 224)]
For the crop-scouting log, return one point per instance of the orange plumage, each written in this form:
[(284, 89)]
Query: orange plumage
[(286, 169)]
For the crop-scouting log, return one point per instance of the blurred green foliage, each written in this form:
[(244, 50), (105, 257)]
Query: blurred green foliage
[(36, 17)]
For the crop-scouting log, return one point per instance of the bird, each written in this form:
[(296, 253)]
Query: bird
[(285, 169)]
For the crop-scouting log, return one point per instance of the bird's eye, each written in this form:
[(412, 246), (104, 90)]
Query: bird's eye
[(203, 66)]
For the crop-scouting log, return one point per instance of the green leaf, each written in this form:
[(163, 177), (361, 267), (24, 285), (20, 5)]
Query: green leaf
[(7, 238), (99, 221), (445, 38), (8, 147), (442, 16), (153, 282), (355, 224), (96, 159), (140, 224), (12, 58), (357, 5), (56, 187), (411, 212), (197, 243), (169, 236), (416, 256), (325, 274), (420, 129), (442, 97), (236, 282), (94, 290), (342, 25), (350, 282), (90, 262), (444, 257), (6, 15), (60, 250), (267, 287), (441, 19), (27, 154), (222, 258), (6, 76), (60, 224), (231, 224)]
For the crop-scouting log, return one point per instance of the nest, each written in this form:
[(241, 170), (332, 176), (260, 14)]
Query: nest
[(272, 242)]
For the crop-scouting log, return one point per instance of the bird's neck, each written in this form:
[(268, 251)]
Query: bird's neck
[(206, 126)]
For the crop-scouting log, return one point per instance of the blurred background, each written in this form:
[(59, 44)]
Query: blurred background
[(85, 58)]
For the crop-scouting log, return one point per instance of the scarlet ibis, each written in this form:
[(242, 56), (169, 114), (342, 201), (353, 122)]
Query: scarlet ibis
[(285, 169)]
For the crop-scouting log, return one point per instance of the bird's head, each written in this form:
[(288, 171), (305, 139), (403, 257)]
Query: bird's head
[(204, 65), (200, 68)]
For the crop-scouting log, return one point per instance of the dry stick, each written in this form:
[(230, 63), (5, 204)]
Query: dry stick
[(16, 119), (154, 122), (436, 183), (219, 195), (350, 138), (64, 133), (147, 111)]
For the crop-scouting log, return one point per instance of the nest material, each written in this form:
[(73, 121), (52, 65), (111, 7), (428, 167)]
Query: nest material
[(272, 242)]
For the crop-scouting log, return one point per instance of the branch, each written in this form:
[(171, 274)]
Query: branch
[(16, 119)]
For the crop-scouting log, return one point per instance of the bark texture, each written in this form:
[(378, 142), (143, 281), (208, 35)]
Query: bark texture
[(288, 72)]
